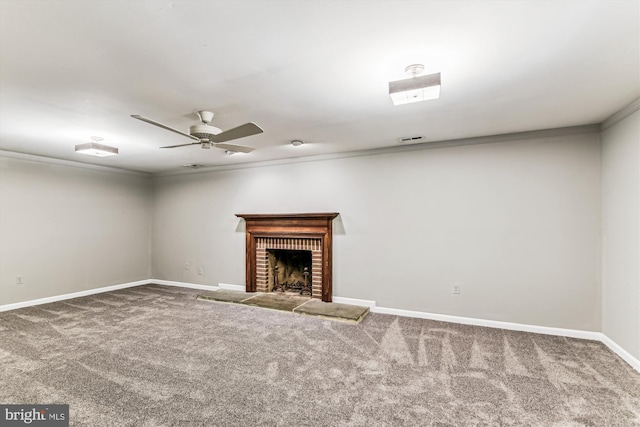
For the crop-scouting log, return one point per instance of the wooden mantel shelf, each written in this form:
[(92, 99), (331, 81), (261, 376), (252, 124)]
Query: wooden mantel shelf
[(289, 216), (294, 225), (329, 215)]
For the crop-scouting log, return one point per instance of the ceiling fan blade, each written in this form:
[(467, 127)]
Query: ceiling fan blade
[(144, 119), (241, 131), (236, 148), (181, 145)]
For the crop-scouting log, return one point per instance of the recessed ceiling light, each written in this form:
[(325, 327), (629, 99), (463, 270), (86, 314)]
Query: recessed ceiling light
[(96, 149), (297, 143)]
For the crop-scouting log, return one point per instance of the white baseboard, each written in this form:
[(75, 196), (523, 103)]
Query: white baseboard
[(624, 354), (230, 287), (56, 298), (355, 301), (572, 333), (182, 284)]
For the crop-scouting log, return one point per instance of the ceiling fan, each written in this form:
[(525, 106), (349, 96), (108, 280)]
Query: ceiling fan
[(208, 136)]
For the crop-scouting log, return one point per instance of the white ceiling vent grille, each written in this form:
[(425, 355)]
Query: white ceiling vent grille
[(411, 139)]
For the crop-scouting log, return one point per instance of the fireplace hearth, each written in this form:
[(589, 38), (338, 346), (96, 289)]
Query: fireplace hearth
[(275, 244)]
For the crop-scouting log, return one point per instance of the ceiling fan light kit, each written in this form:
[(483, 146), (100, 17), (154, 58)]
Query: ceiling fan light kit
[(208, 136), (416, 88), (96, 149)]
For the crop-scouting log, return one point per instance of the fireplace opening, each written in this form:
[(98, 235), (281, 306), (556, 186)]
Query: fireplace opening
[(289, 271)]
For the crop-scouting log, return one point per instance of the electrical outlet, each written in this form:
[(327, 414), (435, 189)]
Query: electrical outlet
[(455, 289), (19, 280), (200, 271)]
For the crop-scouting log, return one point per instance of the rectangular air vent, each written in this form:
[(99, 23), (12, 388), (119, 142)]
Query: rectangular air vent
[(411, 139)]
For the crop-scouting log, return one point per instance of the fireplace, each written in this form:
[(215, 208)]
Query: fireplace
[(280, 246)]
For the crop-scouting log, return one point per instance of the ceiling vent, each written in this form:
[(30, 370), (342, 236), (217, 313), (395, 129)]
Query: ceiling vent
[(411, 139)]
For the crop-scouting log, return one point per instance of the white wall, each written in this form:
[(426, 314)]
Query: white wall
[(621, 233), (517, 224), (67, 229)]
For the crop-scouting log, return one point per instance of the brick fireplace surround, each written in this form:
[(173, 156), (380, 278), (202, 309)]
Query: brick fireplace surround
[(304, 231)]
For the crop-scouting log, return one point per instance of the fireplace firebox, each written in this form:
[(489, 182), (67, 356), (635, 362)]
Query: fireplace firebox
[(280, 236), (289, 271)]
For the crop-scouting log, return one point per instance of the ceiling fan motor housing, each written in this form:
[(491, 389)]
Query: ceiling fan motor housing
[(203, 131)]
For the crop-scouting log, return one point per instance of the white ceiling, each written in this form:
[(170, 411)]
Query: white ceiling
[(311, 70)]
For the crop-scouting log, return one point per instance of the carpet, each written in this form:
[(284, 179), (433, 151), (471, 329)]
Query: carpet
[(156, 356)]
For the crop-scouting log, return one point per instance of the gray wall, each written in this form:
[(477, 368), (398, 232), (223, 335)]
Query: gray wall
[(67, 229), (516, 223), (621, 233)]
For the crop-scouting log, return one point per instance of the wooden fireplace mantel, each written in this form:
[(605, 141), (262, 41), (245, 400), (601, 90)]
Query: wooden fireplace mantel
[(294, 225)]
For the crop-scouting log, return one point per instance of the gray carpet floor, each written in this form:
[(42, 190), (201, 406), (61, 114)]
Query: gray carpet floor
[(157, 356)]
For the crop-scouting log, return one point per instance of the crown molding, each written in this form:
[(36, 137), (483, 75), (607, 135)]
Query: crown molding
[(429, 145), (620, 115), (69, 163)]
